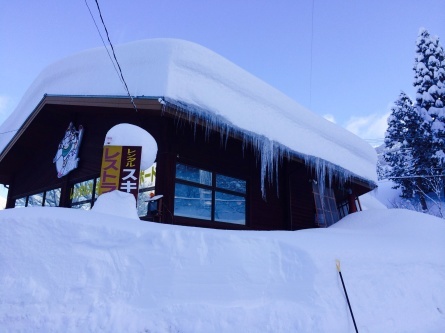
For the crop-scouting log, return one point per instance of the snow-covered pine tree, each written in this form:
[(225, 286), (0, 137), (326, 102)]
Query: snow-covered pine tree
[(437, 111), (423, 72), (400, 136), (429, 79)]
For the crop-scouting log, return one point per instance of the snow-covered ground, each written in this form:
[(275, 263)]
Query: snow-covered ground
[(65, 270)]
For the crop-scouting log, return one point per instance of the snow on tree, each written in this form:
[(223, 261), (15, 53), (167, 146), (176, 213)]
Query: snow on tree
[(429, 79), (437, 111), (424, 65), (400, 140)]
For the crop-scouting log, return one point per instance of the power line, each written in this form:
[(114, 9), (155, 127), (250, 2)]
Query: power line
[(103, 42), (416, 176), (6, 132), (312, 47), (120, 74)]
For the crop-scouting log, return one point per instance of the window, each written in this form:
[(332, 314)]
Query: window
[(21, 202), (50, 198), (325, 206), (83, 194), (209, 196), (344, 207)]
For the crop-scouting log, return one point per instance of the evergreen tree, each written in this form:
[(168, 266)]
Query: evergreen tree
[(437, 111), (429, 79), (424, 74), (415, 138), (400, 139)]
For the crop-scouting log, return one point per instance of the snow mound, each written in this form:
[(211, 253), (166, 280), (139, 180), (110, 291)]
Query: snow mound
[(66, 270), (370, 201), (131, 135), (116, 203)]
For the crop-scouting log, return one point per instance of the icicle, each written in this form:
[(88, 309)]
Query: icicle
[(269, 153)]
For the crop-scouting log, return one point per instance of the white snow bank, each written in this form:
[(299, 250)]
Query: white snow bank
[(200, 80), (117, 203), (76, 271), (370, 201)]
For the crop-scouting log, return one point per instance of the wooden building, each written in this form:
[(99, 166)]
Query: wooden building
[(210, 170)]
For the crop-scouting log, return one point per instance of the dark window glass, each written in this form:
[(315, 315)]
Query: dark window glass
[(192, 201), (206, 195), (230, 208), (231, 184)]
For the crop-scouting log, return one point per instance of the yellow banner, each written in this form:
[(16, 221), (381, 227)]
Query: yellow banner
[(110, 170)]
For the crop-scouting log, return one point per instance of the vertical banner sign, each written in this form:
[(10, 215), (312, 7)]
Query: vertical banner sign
[(66, 157), (120, 169)]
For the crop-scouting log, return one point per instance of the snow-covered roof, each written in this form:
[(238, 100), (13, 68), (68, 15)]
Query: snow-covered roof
[(198, 80)]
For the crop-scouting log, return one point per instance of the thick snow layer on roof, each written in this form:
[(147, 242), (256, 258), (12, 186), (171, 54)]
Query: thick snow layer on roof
[(195, 78)]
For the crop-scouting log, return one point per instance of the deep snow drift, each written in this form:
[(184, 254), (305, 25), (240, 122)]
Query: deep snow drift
[(64, 270)]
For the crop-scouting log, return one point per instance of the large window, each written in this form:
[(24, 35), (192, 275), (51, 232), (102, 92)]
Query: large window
[(208, 195)]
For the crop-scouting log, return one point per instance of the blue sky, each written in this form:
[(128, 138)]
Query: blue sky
[(346, 59)]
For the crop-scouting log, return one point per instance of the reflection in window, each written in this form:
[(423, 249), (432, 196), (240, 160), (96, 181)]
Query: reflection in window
[(35, 200), (84, 194), (232, 184), (50, 198), (143, 201), (83, 206), (207, 195), (230, 208), (325, 205), (22, 202), (195, 175), (192, 201)]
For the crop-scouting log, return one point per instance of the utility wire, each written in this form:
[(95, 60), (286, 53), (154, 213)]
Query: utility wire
[(103, 42), (6, 132), (115, 58), (414, 176), (312, 47)]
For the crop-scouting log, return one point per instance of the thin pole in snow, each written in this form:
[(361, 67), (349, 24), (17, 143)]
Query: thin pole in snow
[(346, 294)]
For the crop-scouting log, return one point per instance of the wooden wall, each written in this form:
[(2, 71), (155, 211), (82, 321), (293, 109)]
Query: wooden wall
[(301, 200)]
